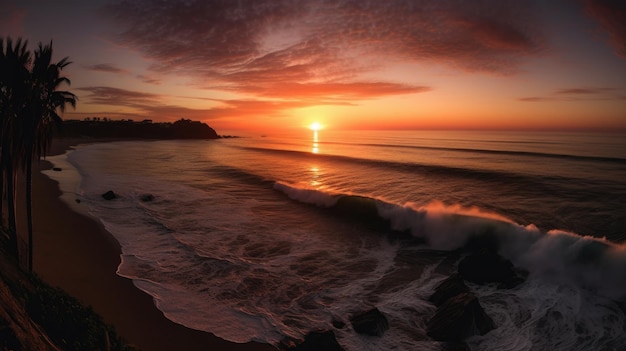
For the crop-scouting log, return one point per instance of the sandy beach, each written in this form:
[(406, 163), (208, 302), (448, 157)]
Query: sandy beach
[(76, 253)]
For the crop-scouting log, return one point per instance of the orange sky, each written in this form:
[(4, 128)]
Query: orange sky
[(269, 64)]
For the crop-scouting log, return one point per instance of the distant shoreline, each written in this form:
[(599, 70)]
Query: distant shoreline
[(77, 254), (97, 128)]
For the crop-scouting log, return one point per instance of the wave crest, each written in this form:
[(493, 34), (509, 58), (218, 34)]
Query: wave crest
[(568, 258)]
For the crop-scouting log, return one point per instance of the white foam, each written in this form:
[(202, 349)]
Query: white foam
[(246, 264), (309, 196)]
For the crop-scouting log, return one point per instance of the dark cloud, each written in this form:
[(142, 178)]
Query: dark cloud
[(119, 97), (535, 99), (241, 43), (584, 91), (573, 94), (611, 15), (108, 68)]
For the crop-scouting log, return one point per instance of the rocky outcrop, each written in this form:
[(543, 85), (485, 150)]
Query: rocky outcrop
[(109, 195), (317, 341), (96, 128), (371, 322), (458, 318), (146, 198), (487, 266), (449, 287)]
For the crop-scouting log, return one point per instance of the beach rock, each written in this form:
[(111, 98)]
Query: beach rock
[(454, 346), (109, 195), (487, 266), (57, 169), (146, 198), (317, 341), (449, 287), (338, 324), (458, 318), (371, 322)]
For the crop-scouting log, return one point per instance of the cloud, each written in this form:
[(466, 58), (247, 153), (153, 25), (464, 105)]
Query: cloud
[(535, 99), (273, 41), (335, 91), (149, 79), (119, 97), (155, 106), (285, 54), (574, 94), (584, 91), (108, 68), (611, 15)]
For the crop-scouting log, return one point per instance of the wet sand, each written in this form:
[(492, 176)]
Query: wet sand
[(76, 253)]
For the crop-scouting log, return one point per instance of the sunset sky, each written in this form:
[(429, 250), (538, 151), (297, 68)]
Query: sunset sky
[(360, 64)]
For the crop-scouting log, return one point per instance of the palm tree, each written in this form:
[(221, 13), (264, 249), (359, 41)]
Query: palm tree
[(14, 77), (30, 100), (39, 118)]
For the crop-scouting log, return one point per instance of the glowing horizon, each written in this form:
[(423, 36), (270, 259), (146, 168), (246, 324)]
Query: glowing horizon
[(387, 65)]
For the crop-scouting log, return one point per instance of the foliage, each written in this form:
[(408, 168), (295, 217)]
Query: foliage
[(69, 324), (30, 99)]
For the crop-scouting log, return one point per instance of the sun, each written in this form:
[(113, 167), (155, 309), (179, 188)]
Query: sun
[(315, 126)]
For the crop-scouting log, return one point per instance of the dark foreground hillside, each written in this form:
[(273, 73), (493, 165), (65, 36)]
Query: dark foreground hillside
[(37, 317)]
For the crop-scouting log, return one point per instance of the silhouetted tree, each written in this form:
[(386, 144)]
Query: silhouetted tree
[(29, 101), (45, 99), (14, 78)]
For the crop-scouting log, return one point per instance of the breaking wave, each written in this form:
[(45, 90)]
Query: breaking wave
[(596, 264)]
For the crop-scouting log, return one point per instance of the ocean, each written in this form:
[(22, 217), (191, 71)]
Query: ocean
[(266, 238)]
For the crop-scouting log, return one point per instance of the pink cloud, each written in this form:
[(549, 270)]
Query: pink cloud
[(227, 40), (149, 79), (339, 91), (611, 15), (108, 68)]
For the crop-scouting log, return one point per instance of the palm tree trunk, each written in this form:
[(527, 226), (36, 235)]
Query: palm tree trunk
[(11, 208), (29, 212), (2, 193)]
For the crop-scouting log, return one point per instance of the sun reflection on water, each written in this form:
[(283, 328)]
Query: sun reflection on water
[(315, 149), (316, 173)]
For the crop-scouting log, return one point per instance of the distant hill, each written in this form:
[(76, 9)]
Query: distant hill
[(97, 128)]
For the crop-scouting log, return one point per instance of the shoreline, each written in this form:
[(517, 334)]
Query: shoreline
[(76, 253)]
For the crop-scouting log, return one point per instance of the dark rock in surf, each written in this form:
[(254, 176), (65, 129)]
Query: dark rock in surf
[(371, 322), (486, 266), (147, 198), (458, 318), (449, 287), (109, 195), (338, 324), (361, 209), (454, 346), (318, 340)]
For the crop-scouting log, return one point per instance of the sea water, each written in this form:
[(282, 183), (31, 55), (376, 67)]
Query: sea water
[(266, 238)]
